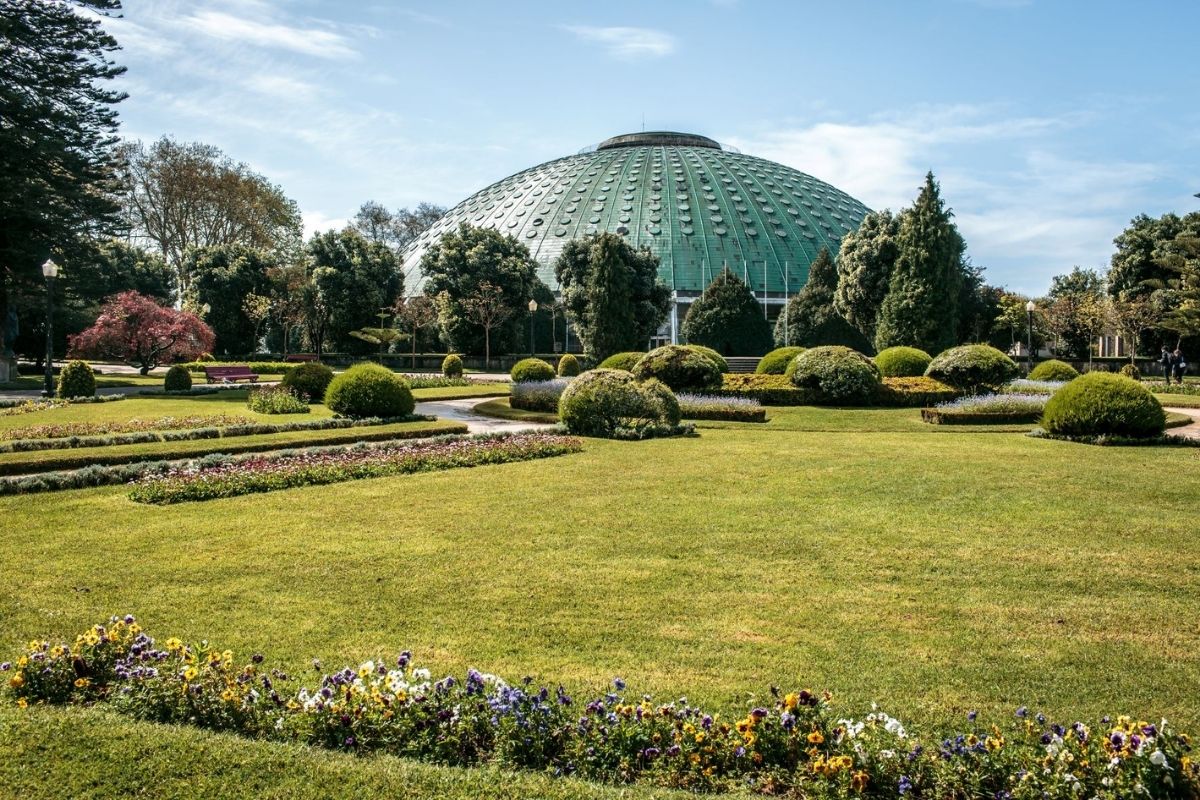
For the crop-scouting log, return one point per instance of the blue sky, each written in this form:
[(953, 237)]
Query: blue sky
[(1049, 123)]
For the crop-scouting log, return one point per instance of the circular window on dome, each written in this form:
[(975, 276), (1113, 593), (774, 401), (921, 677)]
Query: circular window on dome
[(685, 217), (537, 220), (686, 230), (512, 223), (478, 217), (655, 230), (684, 207), (628, 196), (739, 208), (536, 192), (591, 230), (530, 201), (781, 233), (656, 218), (627, 207), (717, 218), (713, 207), (550, 200), (594, 219), (560, 231), (751, 231), (508, 204), (520, 212), (719, 231), (747, 221), (498, 214), (531, 234), (565, 220), (624, 218)]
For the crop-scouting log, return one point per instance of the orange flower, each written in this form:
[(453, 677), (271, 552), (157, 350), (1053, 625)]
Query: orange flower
[(815, 738)]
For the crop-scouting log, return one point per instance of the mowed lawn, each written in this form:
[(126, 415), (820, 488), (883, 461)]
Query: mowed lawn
[(930, 571)]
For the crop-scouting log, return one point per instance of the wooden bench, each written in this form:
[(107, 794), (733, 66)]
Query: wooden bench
[(300, 357), (230, 374)]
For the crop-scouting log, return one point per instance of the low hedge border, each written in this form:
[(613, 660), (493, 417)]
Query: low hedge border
[(1166, 440), (197, 391), (942, 416), (777, 390), (28, 406), (725, 414), (103, 459)]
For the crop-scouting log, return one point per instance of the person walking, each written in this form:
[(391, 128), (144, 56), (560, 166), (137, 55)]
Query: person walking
[(1166, 361), (1179, 364)]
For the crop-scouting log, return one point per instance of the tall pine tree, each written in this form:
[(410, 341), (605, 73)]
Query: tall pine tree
[(864, 269), (728, 318), (921, 307), (811, 319)]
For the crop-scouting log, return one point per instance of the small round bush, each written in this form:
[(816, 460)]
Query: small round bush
[(625, 361), (76, 380), (836, 374), (531, 369), (776, 361), (680, 368), (568, 366), (973, 368), (452, 366), (1053, 370), (178, 379), (662, 400), (902, 362), (600, 401), (308, 380), (1103, 403), (716, 358), (1131, 371), (369, 390)]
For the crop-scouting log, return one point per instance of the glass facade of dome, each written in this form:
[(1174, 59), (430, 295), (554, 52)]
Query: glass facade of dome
[(695, 204)]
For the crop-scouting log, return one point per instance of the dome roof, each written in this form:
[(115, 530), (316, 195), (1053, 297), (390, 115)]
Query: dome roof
[(696, 204)]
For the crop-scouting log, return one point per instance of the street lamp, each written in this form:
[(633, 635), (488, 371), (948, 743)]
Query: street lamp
[(1029, 307), (49, 272), (532, 308)]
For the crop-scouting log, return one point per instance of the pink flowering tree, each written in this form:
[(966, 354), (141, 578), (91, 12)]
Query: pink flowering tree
[(135, 329)]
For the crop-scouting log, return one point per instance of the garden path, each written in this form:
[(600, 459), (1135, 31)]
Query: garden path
[(1191, 431), (463, 411)]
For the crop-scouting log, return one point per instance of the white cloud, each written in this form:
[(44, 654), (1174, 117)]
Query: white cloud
[(627, 43), (320, 222), (308, 41), (281, 86)]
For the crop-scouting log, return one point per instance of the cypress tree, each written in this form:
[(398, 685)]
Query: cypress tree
[(811, 319), (864, 269), (921, 307), (728, 318)]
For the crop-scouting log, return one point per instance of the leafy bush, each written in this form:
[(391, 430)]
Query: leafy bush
[(1131, 371), (1104, 404), (604, 402), (1053, 370), (258, 367), (625, 361), (531, 369), (276, 400), (718, 407), (716, 358), (568, 366), (452, 366), (76, 380), (538, 395), (178, 379), (663, 401), (776, 361), (973, 368), (679, 368), (369, 390), (902, 362), (836, 374), (308, 380), (435, 382), (913, 392)]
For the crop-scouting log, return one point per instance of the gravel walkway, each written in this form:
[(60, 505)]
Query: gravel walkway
[(462, 411)]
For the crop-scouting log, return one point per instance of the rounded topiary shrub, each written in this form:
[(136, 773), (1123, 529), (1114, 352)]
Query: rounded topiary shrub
[(531, 369), (1131, 371), (76, 380), (836, 374), (776, 361), (716, 358), (1053, 370), (680, 368), (369, 390), (973, 368), (625, 361), (178, 379), (452, 366), (902, 362), (601, 401), (568, 366), (308, 380), (662, 400), (1102, 403)]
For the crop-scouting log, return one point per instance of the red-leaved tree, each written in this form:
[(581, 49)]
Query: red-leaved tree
[(135, 329)]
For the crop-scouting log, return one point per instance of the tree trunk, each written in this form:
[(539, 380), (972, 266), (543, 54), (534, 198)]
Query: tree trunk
[(487, 348)]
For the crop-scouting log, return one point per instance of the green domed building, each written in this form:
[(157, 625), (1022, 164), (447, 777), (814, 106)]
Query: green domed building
[(698, 205)]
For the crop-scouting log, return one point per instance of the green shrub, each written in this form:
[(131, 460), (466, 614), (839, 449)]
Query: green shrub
[(914, 392), (1053, 370), (1131, 371), (308, 380), (276, 400), (1103, 404), (776, 361), (178, 379), (369, 390), (902, 362), (716, 358), (452, 366), (568, 366), (76, 380), (625, 361), (973, 368), (531, 369), (836, 374), (603, 402), (678, 367)]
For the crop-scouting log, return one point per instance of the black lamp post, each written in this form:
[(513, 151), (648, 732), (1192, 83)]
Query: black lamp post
[(532, 308), (1029, 307), (49, 272)]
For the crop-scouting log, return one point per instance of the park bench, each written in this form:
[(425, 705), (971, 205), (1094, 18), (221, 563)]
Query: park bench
[(300, 357), (230, 374)]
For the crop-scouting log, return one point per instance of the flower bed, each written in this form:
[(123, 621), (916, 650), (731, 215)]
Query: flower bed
[(1026, 386), (797, 743), (12, 408), (434, 381), (273, 472), (538, 395), (987, 409), (276, 400), (69, 429), (717, 407)]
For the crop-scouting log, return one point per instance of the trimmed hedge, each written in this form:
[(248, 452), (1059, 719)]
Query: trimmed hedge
[(943, 416), (913, 392), (625, 361), (1104, 404), (776, 361), (777, 390), (568, 366), (369, 390), (452, 366), (837, 375), (528, 370), (973, 368), (609, 402), (260, 367), (902, 362), (1053, 370), (76, 379), (681, 368), (308, 380), (716, 358), (177, 379)]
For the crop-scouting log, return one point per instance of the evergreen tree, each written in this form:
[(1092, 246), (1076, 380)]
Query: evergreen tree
[(811, 318), (864, 269), (728, 318), (921, 307), (222, 277), (355, 279), (611, 293)]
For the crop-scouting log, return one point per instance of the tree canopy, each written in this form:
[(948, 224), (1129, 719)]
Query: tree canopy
[(728, 318), (355, 279), (141, 332), (222, 277), (395, 228), (864, 269), (811, 317)]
